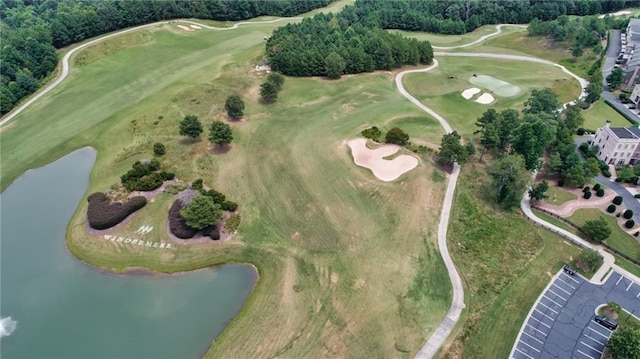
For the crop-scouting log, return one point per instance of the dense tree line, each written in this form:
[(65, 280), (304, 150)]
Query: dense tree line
[(314, 46), (460, 16), (521, 140), (33, 29)]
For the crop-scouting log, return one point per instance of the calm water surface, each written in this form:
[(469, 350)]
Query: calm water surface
[(63, 308)]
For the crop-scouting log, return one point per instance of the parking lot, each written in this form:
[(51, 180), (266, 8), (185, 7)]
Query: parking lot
[(560, 324)]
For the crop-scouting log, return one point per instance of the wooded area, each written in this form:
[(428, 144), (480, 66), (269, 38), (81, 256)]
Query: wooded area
[(33, 29), (312, 47)]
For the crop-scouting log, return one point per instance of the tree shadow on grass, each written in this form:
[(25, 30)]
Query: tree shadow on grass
[(190, 141), (220, 149)]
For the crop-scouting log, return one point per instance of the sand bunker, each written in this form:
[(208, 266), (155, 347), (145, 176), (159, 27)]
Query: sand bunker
[(468, 93), (185, 28), (485, 99), (499, 87), (195, 27), (385, 170)]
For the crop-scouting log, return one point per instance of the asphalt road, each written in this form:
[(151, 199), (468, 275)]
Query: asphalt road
[(560, 324)]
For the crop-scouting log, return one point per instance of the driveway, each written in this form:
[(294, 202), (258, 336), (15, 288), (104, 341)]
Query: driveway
[(560, 323)]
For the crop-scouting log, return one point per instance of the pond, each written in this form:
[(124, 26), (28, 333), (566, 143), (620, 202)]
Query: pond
[(55, 306)]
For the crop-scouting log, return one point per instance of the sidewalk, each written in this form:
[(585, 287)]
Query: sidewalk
[(608, 258)]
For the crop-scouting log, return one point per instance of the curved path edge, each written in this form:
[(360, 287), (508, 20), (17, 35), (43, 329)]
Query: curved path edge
[(480, 39), (65, 60), (457, 302)]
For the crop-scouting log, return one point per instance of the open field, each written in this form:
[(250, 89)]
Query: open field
[(521, 43), (348, 264), (599, 112), (505, 263), (455, 40), (446, 98), (558, 196), (619, 239)]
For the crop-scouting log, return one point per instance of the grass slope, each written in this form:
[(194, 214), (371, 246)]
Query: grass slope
[(600, 112), (618, 239), (505, 263), (348, 264)]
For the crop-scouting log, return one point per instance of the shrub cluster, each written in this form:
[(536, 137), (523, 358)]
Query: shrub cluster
[(141, 176), (617, 200), (597, 187), (611, 208), (600, 192), (229, 206), (627, 214), (373, 133), (630, 223), (159, 149), (232, 223), (177, 224), (102, 214), (212, 232), (587, 195)]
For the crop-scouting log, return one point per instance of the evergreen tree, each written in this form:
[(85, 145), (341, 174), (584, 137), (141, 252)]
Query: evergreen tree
[(190, 126)]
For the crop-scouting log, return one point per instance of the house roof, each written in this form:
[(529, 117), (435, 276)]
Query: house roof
[(634, 130), (624, 132), (635, 25)]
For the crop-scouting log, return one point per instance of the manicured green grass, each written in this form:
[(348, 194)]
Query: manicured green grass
[(556, 222), (348, 264), (625, 264), (600, 112), (558, 196), (455, 40), (505, 262), (443, 94), (520, 42), (619, 239)]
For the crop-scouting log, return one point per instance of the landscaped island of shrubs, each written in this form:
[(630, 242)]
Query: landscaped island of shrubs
[(196, 208)]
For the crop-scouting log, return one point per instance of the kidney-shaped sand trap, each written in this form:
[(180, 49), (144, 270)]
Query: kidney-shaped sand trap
[(499, 87), (385, 170), (468, 93), (485, 99)]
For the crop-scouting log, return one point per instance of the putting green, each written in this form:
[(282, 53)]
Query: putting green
[(499, 87)]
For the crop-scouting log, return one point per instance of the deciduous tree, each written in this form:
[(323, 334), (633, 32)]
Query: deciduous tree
[(625, 343), (538, 192), (452, 150), (510, 179), (597, 229), (220, 133), (234, 106), (334, 65), (190, 126), (396, 136)]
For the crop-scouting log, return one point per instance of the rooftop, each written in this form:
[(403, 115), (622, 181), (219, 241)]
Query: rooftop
[(626, 132)]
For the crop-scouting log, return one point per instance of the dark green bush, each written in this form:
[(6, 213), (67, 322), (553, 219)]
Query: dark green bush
[(630, 223), (102, 215), (627, 214), (637, 195), (600, 192), (212, 232), (617, 200), (580, 131), (597, 186), (373, 133), (159, 149), (153, 165), (587, 195), (611, 208), (177, 224), (561, 182), (586, 189), (229, 206), (167, 176), (636, 234), (217, 197), (606, 173), (198, 185)]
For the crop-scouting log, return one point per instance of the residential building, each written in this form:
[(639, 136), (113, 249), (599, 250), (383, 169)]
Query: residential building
[(628, 57), (617, 146), (635, 95)]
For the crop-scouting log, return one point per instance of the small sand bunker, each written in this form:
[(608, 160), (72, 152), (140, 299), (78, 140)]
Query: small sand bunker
[(384, 170), (195, 27), (185, 28), (485, 99), (468, 93), (499, 87)]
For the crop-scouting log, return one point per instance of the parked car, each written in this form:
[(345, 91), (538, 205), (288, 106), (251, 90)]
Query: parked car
[(606, 322), (569, 270)]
